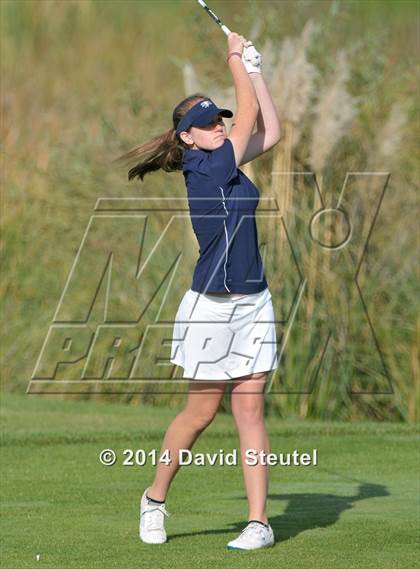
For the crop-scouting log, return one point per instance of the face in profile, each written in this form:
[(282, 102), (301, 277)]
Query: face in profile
[(206, 137)]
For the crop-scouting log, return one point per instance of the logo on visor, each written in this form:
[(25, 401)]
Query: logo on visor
[(205, 104)]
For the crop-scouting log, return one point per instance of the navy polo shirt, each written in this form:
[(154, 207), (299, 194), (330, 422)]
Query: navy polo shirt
[(222, 203)]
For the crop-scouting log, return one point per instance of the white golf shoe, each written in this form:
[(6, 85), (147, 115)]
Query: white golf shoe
[(152, 517), (253, 536)]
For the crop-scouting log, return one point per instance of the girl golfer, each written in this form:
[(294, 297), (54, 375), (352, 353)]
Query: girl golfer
[(224, 328)]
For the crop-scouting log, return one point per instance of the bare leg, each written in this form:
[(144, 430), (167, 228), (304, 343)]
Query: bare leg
[(248, 412), (204, 398)]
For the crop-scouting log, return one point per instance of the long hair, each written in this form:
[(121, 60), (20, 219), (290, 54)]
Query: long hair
[(164, 151)]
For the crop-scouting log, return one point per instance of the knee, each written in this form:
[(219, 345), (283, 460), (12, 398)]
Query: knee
[(248, 413), (199, 419)]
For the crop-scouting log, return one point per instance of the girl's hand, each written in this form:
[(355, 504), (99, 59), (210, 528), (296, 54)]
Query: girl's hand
[(235, 43), (252, 58)]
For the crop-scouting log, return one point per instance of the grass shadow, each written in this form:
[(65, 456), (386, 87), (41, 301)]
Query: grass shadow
[(304, 511)]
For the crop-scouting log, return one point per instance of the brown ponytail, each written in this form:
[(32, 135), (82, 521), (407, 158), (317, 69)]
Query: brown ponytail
[(164, 151)]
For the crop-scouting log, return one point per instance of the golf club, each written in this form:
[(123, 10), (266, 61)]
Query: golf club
[(214, 17)]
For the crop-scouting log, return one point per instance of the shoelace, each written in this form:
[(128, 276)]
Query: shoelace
[(252, 527), (154, 520)]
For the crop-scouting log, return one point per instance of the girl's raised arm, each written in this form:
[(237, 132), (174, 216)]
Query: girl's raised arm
[(246, 98)]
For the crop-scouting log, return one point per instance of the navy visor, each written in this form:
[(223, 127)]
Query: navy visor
[(201, 114)]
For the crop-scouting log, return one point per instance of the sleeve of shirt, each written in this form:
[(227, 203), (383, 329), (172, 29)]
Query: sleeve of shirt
[(221, 164)]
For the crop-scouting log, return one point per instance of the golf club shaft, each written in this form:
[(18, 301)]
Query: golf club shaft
[(214, 17)]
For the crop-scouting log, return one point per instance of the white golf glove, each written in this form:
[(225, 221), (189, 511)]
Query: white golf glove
[(252, 58)]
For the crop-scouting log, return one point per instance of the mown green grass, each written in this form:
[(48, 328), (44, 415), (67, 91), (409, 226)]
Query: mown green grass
[(356, 509)]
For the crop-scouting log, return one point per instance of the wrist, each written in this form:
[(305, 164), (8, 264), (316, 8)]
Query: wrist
[(233, 53)]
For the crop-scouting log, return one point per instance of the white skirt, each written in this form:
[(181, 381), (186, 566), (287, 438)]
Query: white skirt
[(220, 338)]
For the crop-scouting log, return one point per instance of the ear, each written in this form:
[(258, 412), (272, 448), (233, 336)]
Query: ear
[(186, 137)]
